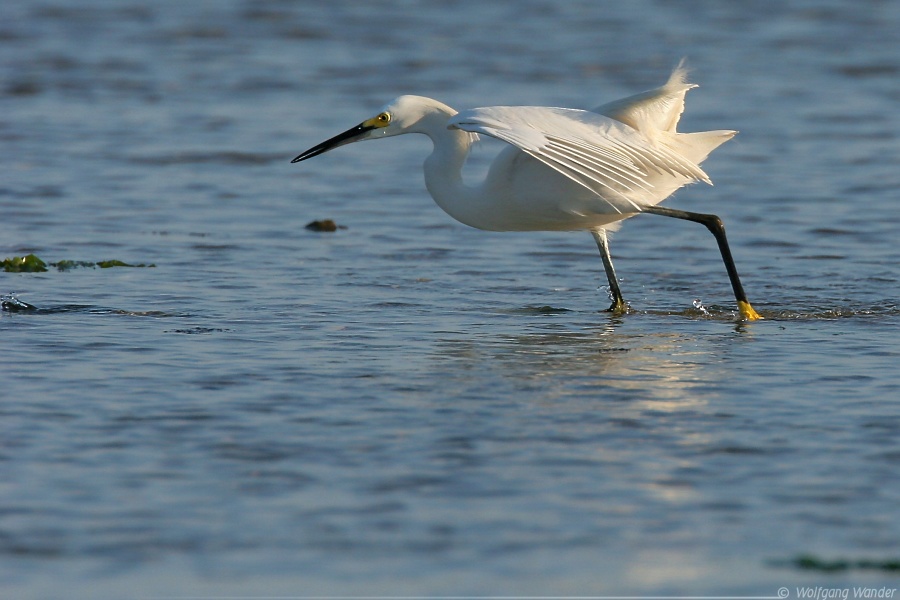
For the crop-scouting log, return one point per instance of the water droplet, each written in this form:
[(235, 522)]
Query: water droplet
[(699, 306)]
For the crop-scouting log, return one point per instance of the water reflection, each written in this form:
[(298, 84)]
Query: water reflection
[(606, 401), (663, 371)]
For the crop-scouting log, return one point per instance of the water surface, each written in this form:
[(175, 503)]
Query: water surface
[(409, 406)]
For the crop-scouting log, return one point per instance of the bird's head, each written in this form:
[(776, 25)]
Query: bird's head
[(402, 115)]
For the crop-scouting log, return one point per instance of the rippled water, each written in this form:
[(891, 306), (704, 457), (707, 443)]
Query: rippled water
[(408, 406)]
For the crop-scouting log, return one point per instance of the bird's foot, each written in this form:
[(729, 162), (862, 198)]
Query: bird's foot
[(618, 307), (747, 312)]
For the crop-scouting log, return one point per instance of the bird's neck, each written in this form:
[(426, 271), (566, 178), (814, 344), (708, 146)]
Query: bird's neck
[(443, 173)]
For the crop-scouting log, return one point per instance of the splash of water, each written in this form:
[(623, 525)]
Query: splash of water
[(9, 303), (699, 306)]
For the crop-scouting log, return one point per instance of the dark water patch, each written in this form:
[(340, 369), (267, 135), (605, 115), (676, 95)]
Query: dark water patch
[(258, 452), (23, 87), (62, 308), (257, 85), (865, 71), (93, 15), (193, 234), (29, 548), (8, 35), (832, 231), (537, 310), (724, 506), (12, 304), (299, 32), (199, 330), (9, 303), (564, 257), (275, 482), (869, 188), (846, 377), (213, 157), (742, 450), (190, 415), (418, 483), (197, 32), (773, 243), (419, 254), (156, 314), (811, 562), (215, 247), (396, 304), (843, 136), (890, 424), (627, 423)]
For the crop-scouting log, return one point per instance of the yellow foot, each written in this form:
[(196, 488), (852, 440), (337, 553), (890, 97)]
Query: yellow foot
[(747, 312), (618, 308)]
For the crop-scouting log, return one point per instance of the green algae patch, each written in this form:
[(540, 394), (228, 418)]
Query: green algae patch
[(24, 264), (33, 264), (109, 264), (68, 265)]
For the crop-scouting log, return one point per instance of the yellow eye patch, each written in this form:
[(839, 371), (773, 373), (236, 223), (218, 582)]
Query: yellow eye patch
[(382, 120)]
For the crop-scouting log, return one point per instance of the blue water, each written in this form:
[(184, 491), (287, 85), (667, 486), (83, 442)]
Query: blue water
[(408, 406)]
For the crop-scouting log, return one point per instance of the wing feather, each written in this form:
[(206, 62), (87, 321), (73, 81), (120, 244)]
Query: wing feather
[(600, 168), (609, 157)]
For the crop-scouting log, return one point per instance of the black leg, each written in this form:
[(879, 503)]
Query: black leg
[(717, 228), (618, 302)]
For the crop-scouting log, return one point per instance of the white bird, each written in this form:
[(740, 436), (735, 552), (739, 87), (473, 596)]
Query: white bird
[(564, 169)]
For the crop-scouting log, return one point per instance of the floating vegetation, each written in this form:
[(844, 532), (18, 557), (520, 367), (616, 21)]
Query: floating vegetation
[(68, 265), (809, 562), (33, 264), (24, 264), (324, 225), (108, 264)]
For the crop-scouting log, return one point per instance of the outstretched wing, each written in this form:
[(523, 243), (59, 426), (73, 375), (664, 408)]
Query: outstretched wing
[(606, 156)]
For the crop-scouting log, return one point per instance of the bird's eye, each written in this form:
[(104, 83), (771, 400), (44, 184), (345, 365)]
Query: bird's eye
[(382, 120)]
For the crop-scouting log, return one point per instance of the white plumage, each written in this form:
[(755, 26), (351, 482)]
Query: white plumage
[(564, 169)]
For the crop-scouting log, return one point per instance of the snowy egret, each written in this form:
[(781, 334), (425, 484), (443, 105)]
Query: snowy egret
[(564, 169)]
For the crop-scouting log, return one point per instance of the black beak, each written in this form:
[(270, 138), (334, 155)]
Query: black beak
[(351, 135)]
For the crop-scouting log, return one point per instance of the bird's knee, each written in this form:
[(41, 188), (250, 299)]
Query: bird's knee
[(714, 223)]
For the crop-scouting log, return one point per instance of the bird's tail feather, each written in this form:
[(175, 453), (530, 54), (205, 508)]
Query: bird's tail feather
[(697, 146)]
